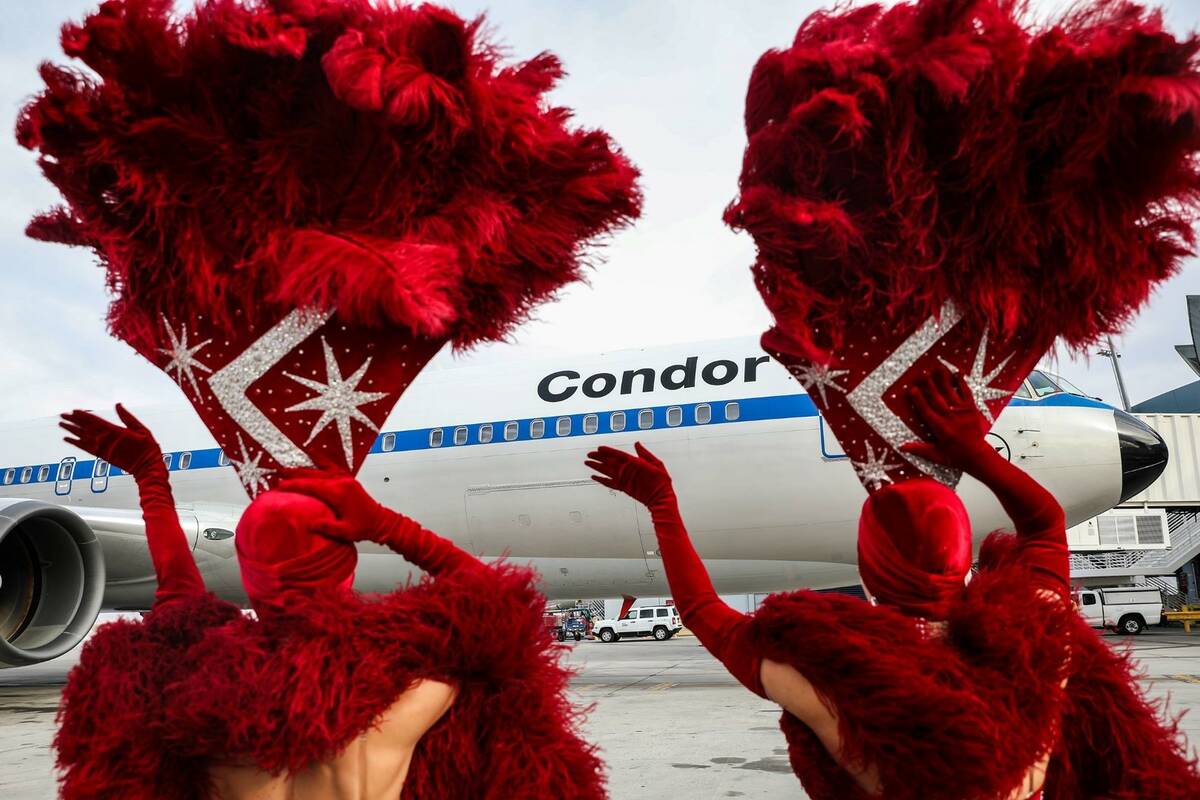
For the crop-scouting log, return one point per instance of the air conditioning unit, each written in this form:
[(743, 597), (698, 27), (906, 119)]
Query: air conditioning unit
[(1122, 529)]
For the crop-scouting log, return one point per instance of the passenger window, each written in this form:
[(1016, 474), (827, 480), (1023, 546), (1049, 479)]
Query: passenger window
[(631, 615), (66, 475), (167, 460), (617, 421), (703, 414), (389, 443), (591, 423), (646, 418), (485, 433), (563, 426), (9, 476), (102, 469), (662, 612), (674, 416), (510, 431), (1089, 599), (646, 613), (185, 460), (43, 473), (222, 459), (435, 437), (26, 474), (460, 435), (537, 428), (732, 412)]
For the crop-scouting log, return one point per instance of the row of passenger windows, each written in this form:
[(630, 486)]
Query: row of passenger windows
[(509, 431), (185, 460), (66, 469), (617, 422)]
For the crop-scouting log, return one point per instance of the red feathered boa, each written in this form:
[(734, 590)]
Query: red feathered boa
[(154, 703), (981, 704)]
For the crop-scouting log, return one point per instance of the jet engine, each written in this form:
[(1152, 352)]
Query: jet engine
[(51, 581)]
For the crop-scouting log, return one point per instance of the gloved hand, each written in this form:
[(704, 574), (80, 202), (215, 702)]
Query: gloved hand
[(131, 448), (718, 627), (360, 518), (956, 429), (944, 403), (643, 477), (134, 450)]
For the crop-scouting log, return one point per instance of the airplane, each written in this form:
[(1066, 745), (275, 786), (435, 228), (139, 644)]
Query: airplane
[(492, 457)]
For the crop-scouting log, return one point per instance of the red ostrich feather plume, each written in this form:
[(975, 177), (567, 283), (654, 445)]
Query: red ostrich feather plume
[(948, 171), (370, 177)]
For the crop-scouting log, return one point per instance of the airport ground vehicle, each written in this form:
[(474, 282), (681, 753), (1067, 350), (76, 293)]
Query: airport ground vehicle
[(661, 622), (1126, 609), (563, 624), (574, 627)]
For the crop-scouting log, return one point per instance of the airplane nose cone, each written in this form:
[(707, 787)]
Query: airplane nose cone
[(1143, 454)]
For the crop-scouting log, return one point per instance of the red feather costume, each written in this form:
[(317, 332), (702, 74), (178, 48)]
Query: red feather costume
[(938, 189), (155, 704), (277, 189)]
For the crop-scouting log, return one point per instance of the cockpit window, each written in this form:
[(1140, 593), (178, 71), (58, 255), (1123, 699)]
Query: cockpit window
[(1067, 386), (1023, 391), (1042, 385)]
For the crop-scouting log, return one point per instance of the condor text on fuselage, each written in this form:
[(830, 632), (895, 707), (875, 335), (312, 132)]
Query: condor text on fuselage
[(563, 384)]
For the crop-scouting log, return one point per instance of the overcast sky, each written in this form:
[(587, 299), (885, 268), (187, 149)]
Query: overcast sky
[(665, 78)]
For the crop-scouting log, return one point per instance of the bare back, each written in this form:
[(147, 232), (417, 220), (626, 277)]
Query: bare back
[(373, 766)]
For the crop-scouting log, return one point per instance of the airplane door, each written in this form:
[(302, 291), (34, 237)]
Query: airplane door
[(566, 519)]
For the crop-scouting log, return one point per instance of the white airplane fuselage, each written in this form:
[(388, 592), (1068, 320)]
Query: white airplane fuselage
[(769, 500)]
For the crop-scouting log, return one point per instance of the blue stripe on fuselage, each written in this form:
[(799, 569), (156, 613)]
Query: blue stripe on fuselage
[(750, 409)]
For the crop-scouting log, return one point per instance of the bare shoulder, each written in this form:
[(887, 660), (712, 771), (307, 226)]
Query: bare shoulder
[(785, 685), (416, 710)]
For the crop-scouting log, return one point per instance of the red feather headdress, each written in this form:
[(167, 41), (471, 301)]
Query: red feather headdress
[(297, 202), (938, 182)]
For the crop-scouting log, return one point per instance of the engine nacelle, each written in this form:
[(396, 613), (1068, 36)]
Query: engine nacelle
[(51, 581)]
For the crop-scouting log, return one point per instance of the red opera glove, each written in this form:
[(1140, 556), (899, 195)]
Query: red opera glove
[(943, 401), (722, 630), (361, 518), (133, 449)]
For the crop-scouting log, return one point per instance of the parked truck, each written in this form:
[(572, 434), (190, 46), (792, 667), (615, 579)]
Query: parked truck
[(1125, 609)]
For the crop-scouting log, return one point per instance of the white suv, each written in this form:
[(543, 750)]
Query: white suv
[(661, 622)]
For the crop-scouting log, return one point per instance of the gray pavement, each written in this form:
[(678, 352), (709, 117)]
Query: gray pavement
[(669, 721)]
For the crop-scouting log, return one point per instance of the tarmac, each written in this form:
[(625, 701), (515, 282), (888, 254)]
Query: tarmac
[(669, 720)]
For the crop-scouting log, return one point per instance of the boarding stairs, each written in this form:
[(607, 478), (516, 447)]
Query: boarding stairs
[(1168, 587), (1185, 545)]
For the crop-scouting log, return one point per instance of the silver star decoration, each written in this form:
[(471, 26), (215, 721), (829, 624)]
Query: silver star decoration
[(874, 471), (338, 400), (249, 472), (980, 383), (183, 361), (819, 377)]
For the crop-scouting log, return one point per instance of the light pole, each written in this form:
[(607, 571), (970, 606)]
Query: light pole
[(1112, 355)]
